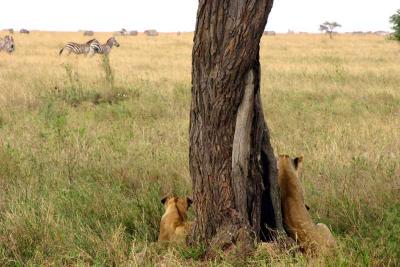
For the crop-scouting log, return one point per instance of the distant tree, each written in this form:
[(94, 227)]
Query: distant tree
[(395, 20), (328, 27)]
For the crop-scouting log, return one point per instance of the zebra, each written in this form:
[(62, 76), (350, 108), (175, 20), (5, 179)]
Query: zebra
[(90, 47), (151, 32), (7, 44), (133, 33), (106, 48), (88, 33)]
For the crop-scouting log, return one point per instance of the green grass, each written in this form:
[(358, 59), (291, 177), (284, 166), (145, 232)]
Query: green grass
[(89, 146)]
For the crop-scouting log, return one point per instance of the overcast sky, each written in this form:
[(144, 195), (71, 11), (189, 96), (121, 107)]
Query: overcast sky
[(180, 15)]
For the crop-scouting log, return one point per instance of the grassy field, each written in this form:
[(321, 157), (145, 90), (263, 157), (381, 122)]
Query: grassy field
[(85, 154)]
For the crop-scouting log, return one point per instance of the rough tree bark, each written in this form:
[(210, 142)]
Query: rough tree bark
[(232, 163)]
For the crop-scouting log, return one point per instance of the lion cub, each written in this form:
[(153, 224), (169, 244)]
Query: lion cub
[(174, 225), (313, 239)]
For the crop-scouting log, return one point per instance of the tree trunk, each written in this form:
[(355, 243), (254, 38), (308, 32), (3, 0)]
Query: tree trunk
[(232, 164)]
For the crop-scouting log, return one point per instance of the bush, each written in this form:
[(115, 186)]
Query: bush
[(395, 20)]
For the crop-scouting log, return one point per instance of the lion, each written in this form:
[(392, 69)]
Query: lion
[(312, 238), (174, 225)]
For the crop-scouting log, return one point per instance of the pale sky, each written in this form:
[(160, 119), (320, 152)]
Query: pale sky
[(180, 15)]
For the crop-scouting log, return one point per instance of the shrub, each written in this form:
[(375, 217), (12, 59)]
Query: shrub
[(395, 20)]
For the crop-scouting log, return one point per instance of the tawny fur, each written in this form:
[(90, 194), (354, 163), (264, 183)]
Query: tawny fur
[(312, 238), (174, 225)]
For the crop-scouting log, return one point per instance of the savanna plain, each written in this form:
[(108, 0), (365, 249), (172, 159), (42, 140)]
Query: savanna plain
[(89, 145)]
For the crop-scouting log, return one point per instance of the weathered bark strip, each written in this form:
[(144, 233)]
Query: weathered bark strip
[(241, 147)]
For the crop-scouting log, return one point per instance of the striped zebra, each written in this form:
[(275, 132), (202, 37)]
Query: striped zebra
[(151, 32), (88, 33), (133, 33), (24, 31), (90, 47), (106, 48), (7, 44)]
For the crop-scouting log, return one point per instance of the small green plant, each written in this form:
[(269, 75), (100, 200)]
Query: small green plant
[(74, 91), (145, 217), (55, 117), (194, 252), (395, 20), (108, 71)]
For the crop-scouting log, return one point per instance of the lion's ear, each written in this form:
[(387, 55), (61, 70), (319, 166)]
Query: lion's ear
[(164, 199), (189, 201), (298, 162), (307, 207), (298, 165)]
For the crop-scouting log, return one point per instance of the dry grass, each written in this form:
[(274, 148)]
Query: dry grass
[(83, 163)]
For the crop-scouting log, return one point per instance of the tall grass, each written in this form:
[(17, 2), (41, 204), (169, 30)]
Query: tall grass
[(89, 145)]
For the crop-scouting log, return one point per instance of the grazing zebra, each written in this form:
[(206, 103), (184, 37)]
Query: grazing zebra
[(25, 31), (133, 33), (88, 33), (7, 44), (151, 32), (90, 47), (106, 48)]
